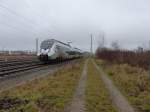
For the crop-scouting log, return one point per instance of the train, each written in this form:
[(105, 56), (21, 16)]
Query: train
[(52, 49)]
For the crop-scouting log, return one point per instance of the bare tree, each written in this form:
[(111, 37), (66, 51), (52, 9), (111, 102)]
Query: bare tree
[(140, 49), (115, 45)]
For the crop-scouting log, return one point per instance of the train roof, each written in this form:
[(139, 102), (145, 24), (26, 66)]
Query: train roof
[(53, 40)]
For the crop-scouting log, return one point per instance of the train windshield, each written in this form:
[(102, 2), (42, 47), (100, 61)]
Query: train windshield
[(46, 44)]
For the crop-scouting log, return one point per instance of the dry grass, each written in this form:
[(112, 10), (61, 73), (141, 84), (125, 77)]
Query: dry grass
[(49, 94), (133, 82), (17, 57), (97, 96)]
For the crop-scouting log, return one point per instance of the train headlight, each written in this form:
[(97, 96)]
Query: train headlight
[(43, 51)]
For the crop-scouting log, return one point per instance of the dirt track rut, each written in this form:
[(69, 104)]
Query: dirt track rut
[(78, 102), (117, 98)]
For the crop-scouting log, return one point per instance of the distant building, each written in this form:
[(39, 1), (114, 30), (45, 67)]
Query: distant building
[(27, 52)]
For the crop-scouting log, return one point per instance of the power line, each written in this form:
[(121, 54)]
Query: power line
[(16, 28), (19, 15), (23, 17), (16, 14), (10, 26)]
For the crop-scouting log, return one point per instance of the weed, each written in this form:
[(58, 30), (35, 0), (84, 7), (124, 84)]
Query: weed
[(133, 83), (97, 96), (49, 94)]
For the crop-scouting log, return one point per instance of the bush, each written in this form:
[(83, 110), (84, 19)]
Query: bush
[(141, 59)]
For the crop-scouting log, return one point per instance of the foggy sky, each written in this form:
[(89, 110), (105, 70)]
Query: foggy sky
[(125, 21)]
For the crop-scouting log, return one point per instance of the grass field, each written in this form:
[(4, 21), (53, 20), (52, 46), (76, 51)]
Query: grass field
[(48, 94), (133, 82), (97, 97)]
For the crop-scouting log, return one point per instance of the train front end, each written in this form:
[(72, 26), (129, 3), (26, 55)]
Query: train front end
[(43, 56), (45, 50)]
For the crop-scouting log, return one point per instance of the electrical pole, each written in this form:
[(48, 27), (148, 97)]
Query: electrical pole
[(91, 44), (103, 40), (149, 46), (37, 44)]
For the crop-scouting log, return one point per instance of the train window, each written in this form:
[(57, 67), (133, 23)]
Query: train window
[(46, 44), (57, 47)]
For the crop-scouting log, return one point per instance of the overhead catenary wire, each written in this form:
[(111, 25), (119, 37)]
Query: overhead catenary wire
[(35, 25), (16, 27), (29, 3), (22, 20), (16, 14)]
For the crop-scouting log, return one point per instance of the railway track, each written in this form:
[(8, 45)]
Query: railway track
[(11, 67)]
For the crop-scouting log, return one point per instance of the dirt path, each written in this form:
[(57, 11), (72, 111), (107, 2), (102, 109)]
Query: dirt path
[(78, 103), (118, 99)]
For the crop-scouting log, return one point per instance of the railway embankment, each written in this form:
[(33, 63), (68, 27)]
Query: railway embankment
[(47, 94), (81, 86), (26, 74)]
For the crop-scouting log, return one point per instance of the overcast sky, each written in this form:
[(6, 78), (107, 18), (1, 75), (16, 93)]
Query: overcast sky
[(125, 21)]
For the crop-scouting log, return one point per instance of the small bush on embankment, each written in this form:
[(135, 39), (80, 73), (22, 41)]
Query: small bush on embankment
[(133, 82), (97, 97), (49, 94)]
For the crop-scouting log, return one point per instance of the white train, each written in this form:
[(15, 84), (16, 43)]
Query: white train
[(52, 49)]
